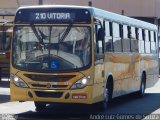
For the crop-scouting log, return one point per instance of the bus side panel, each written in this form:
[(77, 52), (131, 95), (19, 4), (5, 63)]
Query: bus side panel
[(125, 71), (151, 68)]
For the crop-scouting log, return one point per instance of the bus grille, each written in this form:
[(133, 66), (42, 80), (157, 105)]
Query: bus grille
[(49, 94), (50, 78), (53, 86)]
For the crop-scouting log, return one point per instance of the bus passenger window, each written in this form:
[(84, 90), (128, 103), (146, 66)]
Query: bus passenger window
[(125, 40), (129, 31), (134, 41), (143, 38), (108, 37), (147, 42), (137, 34), (155, 40), (155, 36), (141, 41), (153, 43), (143, 35), (116, 38), (121, 30)]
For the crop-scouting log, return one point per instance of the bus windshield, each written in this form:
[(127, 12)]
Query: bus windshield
[(51, 48)]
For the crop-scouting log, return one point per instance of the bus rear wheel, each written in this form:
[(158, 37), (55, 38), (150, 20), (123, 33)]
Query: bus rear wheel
[(40, 106), (141, 92), (109, 90)]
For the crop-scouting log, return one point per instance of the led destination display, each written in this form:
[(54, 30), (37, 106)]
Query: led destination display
[(52, 15)]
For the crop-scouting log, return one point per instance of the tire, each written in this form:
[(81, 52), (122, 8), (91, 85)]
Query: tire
[(107, 97), (40, 106), (109, 87), (141, 91)]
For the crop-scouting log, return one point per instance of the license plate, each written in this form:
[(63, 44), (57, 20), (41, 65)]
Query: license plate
[(79, 96)]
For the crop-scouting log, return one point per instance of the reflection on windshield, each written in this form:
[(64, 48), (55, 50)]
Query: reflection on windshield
[(51, 47)]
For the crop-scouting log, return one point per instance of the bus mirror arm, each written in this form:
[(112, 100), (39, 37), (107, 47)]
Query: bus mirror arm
[(99, 59), (99, 56), (101, 34)]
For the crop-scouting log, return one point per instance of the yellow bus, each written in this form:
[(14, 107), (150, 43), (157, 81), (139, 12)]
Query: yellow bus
[(75, 54), (6, 30)]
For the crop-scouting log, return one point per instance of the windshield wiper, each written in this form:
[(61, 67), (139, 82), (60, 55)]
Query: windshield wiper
[(36, 34), (65, 33)]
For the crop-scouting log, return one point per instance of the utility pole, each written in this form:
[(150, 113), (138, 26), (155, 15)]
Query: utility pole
[(18, 3), (40, 2), (90, 3), (122, 12)]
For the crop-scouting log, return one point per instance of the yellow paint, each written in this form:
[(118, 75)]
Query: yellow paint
[(127, 70)]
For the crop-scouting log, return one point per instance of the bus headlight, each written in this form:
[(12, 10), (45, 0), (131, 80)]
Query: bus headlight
[(80, 84), (18, 82)]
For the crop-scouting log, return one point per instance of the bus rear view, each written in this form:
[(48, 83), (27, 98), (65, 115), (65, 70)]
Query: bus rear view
[(51, 56)]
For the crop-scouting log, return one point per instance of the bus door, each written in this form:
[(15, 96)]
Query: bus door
[(99, 59)]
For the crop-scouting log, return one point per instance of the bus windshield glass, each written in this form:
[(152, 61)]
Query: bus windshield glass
[(51, 48)]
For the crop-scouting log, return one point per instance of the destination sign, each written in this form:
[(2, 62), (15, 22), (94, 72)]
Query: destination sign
[(52, 15)]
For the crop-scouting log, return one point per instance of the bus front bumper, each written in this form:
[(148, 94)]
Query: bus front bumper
[(61, 96)]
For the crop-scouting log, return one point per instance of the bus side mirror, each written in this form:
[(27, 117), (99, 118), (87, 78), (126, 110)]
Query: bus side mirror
[(101, 34), (100, 40)]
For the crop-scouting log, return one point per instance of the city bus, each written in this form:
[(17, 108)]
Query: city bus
[(81, 55), (6, 30)]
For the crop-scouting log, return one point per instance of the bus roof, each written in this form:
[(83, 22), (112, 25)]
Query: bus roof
[(123, 19), (102, 14), (54, 6)]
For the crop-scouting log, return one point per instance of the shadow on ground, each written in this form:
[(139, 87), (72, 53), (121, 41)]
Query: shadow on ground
[(4, 98), (4, 84)]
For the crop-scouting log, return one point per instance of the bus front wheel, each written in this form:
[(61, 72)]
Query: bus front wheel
[(107, 95), (40, 106)]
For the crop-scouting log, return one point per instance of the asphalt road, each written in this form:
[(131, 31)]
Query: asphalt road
[(127, 107)]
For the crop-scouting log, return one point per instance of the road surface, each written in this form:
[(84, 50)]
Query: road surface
[(125, 107)]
